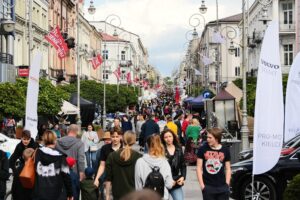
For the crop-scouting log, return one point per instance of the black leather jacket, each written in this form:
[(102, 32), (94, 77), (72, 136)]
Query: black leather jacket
[(178, 166)]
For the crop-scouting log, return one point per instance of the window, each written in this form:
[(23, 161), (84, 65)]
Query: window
[(237, 71), (288, 54), (237, 52), (105, 74), (105, 54), (287, 13), (122, 55)]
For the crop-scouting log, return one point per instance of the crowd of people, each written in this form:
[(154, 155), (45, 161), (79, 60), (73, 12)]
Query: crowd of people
[(93, 166)]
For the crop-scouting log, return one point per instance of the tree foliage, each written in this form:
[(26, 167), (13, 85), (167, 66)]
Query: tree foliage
[(292, 192), (13, 98), (251, 91), (93, 91)]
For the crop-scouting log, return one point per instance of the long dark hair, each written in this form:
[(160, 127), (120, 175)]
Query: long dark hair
[(175, 138)]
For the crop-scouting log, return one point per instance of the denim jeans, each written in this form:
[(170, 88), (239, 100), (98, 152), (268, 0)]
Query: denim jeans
[(90, 158), (177, 193)]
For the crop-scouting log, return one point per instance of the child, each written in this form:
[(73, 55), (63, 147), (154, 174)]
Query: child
[(74, 177), (18, 191), (87, 187)]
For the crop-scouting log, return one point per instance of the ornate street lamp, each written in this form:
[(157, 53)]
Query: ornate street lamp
[(203, 8), (92, 9)]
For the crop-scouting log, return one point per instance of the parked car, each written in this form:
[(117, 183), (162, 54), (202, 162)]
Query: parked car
[(8, 144), (287, 148), (267, 186)]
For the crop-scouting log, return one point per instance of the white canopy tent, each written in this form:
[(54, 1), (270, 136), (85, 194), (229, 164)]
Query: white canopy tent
[(68, 109)]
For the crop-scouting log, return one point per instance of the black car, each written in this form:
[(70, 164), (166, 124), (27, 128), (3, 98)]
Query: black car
[(267, 186), (287, 148)]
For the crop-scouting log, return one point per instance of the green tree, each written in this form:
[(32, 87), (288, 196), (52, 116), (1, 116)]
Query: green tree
[(93, 91), (292, 192), (13, 98), (251, 92)]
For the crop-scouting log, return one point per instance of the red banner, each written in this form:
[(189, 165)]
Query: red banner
[(23, 72), (96, 61), (57, 41), (128, 77), (117, 73)]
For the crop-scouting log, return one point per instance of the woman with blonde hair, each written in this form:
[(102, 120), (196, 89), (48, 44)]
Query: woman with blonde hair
[(120, 168), (193, 130), (52, 179), (152, 161)]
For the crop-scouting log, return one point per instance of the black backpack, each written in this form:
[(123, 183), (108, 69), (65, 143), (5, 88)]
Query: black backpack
[(155, 181)]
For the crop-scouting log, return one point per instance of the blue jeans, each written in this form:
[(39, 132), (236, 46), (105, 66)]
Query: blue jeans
[(90, 158), (177, 193)]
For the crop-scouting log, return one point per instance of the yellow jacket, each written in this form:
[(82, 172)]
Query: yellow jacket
[(173, 127)]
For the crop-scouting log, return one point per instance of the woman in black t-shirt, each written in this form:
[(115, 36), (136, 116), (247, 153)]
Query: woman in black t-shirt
[(213, 167)]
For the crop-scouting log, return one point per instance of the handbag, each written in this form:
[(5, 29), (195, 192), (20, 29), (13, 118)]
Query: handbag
[(27, 175)]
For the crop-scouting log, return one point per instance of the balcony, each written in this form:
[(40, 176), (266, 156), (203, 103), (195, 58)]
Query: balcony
[(287, 28), (125, 63), (6, 58), (58, 74)]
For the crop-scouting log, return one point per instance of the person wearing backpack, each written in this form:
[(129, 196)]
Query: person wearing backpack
[(176, 160), (153, 171)]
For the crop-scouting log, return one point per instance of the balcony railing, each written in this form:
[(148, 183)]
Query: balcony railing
[(287, 27), (59, 74), (6, 58)]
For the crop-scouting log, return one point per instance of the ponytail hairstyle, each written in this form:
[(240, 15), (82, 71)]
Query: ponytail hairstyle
[(155, 146), (129, 139)]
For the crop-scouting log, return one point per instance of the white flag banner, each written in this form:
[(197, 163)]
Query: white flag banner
[(292, 103), (31, 121), (218, 38), (206, 60), (197, 72), (269, 114)]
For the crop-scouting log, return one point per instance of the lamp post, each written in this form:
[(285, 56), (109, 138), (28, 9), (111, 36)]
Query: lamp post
[(203, 10), (111, 17)]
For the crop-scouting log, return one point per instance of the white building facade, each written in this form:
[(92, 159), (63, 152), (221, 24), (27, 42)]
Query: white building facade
[(285, 11), (229, 65)]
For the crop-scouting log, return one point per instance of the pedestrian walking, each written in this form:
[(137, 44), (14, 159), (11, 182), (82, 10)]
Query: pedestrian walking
[(126, 124), (154, 160), (178, 120), (87, 187), (148, 128), (4, 173), (120, 168), (73, 147), (17, 189), (213, 167), (171, 125), (17, 156), (56, 130), (106, 140), (139, 123), (193, 130), (175, 158), (52, 179), (116, 144), (90, 140)]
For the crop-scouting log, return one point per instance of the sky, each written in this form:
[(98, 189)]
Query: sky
[(162, 24)]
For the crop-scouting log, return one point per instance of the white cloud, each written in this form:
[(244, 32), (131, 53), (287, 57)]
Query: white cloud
[(152, 20)]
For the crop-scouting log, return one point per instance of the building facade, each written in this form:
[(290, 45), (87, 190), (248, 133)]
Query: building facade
[(286, 12), (224, 67), (136, 55), (24, 51)]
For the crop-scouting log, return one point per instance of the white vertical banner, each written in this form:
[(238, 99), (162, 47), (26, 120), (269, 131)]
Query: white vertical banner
[(31, 120), (269, 114), (292, 103)]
